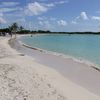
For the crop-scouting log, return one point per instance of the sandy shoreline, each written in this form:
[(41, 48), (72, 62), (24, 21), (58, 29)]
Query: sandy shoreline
[(83, 74), (79, 60), (25, 78)]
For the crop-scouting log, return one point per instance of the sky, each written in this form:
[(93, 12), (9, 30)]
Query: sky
[(53, 15)]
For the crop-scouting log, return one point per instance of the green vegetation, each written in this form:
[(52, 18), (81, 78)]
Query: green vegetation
[(16, 29)]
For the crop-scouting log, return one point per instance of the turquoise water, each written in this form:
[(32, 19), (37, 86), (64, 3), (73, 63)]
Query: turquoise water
[(80, 46)]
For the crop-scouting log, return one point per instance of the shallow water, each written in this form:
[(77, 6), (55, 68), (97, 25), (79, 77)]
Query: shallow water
[(80, 46)]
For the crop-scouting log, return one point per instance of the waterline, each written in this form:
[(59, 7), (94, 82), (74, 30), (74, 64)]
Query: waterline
[(77, 46)]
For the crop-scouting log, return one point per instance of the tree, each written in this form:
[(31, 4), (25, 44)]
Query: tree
[(21, 28), (14, 28)]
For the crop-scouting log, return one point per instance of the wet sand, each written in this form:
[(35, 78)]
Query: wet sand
[(82, 74)]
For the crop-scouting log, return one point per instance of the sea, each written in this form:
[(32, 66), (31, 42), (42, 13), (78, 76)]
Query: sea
[(81, 47)]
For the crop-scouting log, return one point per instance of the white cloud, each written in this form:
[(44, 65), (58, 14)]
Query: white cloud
[(6, 4), (74, 22), (3, 10), (45, 24), (95, 17), (62, 23), (35, 8), (40, 23), (83, 16), (42, 18), (61, 2), (2, 20), (46, 18), (10, 9), (49, 5)]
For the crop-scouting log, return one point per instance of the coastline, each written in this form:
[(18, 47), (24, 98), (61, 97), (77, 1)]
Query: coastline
[(23, 78), (81, 60), (63, 56), (88, 63), (79, 72), (78, 60)]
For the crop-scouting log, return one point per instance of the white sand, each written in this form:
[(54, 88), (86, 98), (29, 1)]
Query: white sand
[(22, 78)]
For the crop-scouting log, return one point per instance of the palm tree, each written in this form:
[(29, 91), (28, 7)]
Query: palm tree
[(21, 28), (10, 30), (14, 28)]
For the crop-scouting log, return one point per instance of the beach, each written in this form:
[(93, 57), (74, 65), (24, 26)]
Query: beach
[(24, 76)]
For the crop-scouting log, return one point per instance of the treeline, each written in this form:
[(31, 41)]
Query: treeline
[(70, 33), (24, 31), (15, 28)]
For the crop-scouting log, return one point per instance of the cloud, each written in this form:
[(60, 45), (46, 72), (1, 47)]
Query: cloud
[(84, 16), (42, 18), (73, 22), (4, 10), (61, 2), (46, 18), (95, 18), (45, 24), (7, 4), (62, 23), (36, 8), (2, 21), (10, 8), (49, 5)]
